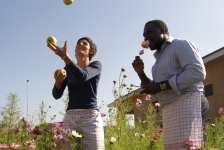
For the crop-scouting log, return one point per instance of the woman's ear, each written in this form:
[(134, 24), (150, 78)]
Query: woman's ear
[(91, 52)]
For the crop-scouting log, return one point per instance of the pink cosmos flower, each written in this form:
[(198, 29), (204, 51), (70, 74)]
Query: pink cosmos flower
[(31, 144), (144, 121), (59, 125), (13, 146), (187, 144), (54, 129), (155, 138), (58, 137), (147, 97), (36, 131), (138, 102), (159, 131), (141, 52), (157, 104), (220, 110), (17, 130), (28, 125), (113, 124), (28, 130), (102, 114)]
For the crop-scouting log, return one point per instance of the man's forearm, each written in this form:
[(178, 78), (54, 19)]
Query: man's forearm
[(144, 79)]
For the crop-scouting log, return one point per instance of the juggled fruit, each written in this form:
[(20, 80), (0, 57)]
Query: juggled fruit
[(51, 40)]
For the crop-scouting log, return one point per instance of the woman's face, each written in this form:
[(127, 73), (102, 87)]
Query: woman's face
[(82, 48)]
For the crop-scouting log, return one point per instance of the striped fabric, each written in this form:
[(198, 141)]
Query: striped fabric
[(180, 63), (89, 124), (182, 121)]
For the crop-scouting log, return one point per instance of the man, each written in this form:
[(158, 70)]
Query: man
[(177, 84)]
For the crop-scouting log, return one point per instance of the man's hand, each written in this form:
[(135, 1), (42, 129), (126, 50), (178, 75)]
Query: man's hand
[(138, 64), (151, 88)]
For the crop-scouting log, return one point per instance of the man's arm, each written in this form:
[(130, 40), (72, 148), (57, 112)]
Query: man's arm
[(192, 64)]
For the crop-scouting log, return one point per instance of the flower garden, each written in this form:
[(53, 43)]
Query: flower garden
[(16, 133)]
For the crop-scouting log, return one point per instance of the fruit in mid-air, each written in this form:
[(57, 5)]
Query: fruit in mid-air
[(61, 72), (68, 2), (51, 40)]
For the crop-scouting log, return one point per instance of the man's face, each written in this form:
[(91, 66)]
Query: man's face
[(153, 35)]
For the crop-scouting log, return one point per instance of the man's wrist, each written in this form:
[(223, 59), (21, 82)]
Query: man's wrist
[(164, 85)]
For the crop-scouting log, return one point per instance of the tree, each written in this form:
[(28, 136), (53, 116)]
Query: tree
[(11, 113), (42, 114)]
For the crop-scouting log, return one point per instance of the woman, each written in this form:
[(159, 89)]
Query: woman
[(82, 80)]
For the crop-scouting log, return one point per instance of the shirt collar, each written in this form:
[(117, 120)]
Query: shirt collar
[(169, 40)]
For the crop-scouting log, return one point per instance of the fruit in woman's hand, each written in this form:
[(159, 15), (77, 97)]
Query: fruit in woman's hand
[(61, 72), (51, 40), (68, 2)]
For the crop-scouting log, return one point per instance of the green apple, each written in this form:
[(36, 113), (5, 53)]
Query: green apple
[(51, 40), (68, 2), (61, 72)]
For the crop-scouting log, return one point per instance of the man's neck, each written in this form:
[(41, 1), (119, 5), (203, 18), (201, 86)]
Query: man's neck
[(165, 38)]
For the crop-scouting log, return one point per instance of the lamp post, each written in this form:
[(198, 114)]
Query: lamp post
[(27, 100)]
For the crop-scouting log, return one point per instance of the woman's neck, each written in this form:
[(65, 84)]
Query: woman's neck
[(83, 62)]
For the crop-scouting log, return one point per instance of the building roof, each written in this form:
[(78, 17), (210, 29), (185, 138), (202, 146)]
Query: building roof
[(132, 93), (213, 55)]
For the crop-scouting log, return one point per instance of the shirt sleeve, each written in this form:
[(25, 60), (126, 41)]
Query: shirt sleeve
[(193, 67), (84, 75), (57, 93)]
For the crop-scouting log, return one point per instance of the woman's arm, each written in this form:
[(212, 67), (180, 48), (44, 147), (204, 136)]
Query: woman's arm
[(91, 71)]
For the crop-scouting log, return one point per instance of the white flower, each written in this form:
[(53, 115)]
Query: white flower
[(136, 134), (147, 42), (112, 139), (68, 131), (143, 135), (213, 125), (74, 133)]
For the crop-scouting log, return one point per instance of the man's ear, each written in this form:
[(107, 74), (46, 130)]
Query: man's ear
[(163, 30)]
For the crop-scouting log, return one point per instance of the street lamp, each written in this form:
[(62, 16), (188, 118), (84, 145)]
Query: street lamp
[(27, 101)]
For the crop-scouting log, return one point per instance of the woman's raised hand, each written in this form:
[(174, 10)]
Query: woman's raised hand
[(60, 51)]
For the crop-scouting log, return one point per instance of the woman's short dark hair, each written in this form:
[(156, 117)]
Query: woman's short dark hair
[(159, 24), (93, 47)]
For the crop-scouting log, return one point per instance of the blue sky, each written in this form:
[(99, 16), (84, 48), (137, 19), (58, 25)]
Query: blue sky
[(115, 26)]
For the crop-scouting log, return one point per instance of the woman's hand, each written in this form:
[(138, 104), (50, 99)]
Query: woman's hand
[(59, 78), (60, 51)]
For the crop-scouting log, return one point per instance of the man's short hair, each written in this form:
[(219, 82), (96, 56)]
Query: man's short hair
[(159, 24)]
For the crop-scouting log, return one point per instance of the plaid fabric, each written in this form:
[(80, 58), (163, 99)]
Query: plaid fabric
[(89, 124), (182, 121)]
